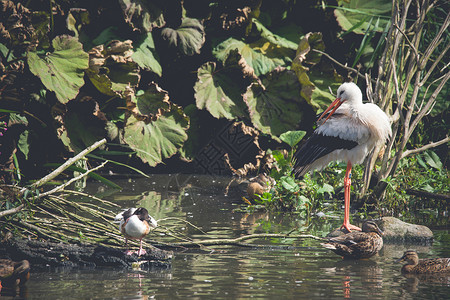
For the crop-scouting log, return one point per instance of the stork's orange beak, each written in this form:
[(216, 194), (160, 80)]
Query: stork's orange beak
[(336, 103)]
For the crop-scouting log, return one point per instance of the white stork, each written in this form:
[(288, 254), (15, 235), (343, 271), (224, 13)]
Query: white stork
[(349, 133)]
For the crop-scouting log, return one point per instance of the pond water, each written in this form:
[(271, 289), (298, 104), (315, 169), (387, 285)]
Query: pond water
[(291, 269)]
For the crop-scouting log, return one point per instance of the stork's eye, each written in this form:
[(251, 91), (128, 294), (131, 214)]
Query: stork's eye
[(342, 92)]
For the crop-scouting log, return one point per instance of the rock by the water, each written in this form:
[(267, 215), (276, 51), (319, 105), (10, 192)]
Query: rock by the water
[(396, 231)]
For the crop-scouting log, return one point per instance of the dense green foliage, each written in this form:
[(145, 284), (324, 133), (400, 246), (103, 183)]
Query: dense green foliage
[(166, 78), (139, 73)]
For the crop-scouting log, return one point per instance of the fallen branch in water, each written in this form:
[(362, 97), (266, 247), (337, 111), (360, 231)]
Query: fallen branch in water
[(239, 241)]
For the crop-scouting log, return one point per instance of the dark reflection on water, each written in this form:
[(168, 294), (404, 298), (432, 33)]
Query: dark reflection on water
[(305, 271)]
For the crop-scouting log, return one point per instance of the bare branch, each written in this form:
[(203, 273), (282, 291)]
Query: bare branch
[(67, 164), (340, 64), (62, 186), (426, 147), (11, 211)]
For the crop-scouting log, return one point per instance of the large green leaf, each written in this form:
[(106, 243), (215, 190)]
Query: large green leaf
[(262, 55), (149, 104), (146, 56), (188, 39), (84, 124), (142, 15), (292, 138), (111, 69), (157, 140), (62, 70), (355, 15), (274, 38), (314, 77), (275, 105), (216, 91)]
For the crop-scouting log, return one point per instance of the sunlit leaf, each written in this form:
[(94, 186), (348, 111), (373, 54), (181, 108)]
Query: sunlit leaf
[(23, 143), (292, 137), (275, 106), (315, 80), (142, 15), (216, 91), (432, 160), (289, 183), (262, 55), (326, 188), (188, 39), (145, 55), (350, 13), (149, 104), (274, 38), (62, 70), (111, 68), (157, 140)]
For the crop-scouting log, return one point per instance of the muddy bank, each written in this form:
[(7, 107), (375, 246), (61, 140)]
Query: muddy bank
[(44, 253)]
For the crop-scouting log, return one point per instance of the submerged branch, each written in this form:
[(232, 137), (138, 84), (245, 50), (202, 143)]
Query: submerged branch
[(239, 240)]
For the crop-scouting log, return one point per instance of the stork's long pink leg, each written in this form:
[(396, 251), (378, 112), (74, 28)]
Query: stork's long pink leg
[(347, 185)]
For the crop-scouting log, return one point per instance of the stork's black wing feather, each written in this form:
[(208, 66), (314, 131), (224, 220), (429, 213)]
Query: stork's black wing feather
[(317, 146)]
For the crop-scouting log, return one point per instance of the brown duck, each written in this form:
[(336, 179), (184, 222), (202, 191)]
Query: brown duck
[(13, 273), (414, 265), (357, 244)]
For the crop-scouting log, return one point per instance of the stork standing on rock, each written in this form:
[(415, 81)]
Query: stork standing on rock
[(350, 130)]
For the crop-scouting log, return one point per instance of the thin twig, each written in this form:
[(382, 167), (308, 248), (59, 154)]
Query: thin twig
[(67, 164), (11, 211), (60, 187), (342, 65), (426, 147)]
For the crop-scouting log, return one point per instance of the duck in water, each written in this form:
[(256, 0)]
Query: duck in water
[(414, 265), (357, 244)]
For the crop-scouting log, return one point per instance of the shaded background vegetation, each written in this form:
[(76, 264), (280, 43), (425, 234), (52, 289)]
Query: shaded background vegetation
[(186, 86)]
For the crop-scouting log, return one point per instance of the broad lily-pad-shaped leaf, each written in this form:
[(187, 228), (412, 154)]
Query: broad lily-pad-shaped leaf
[(274, 38), (142, 15), (276, 106), (84, 122), (146, 56), (62, 70), (314, 80), (356, 15), (188, 39), (149, 104), (263, 56), (111, 68), (157, 140), (216, 91)]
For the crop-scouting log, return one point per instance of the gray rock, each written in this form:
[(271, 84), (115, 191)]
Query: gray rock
[(397, 231)]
